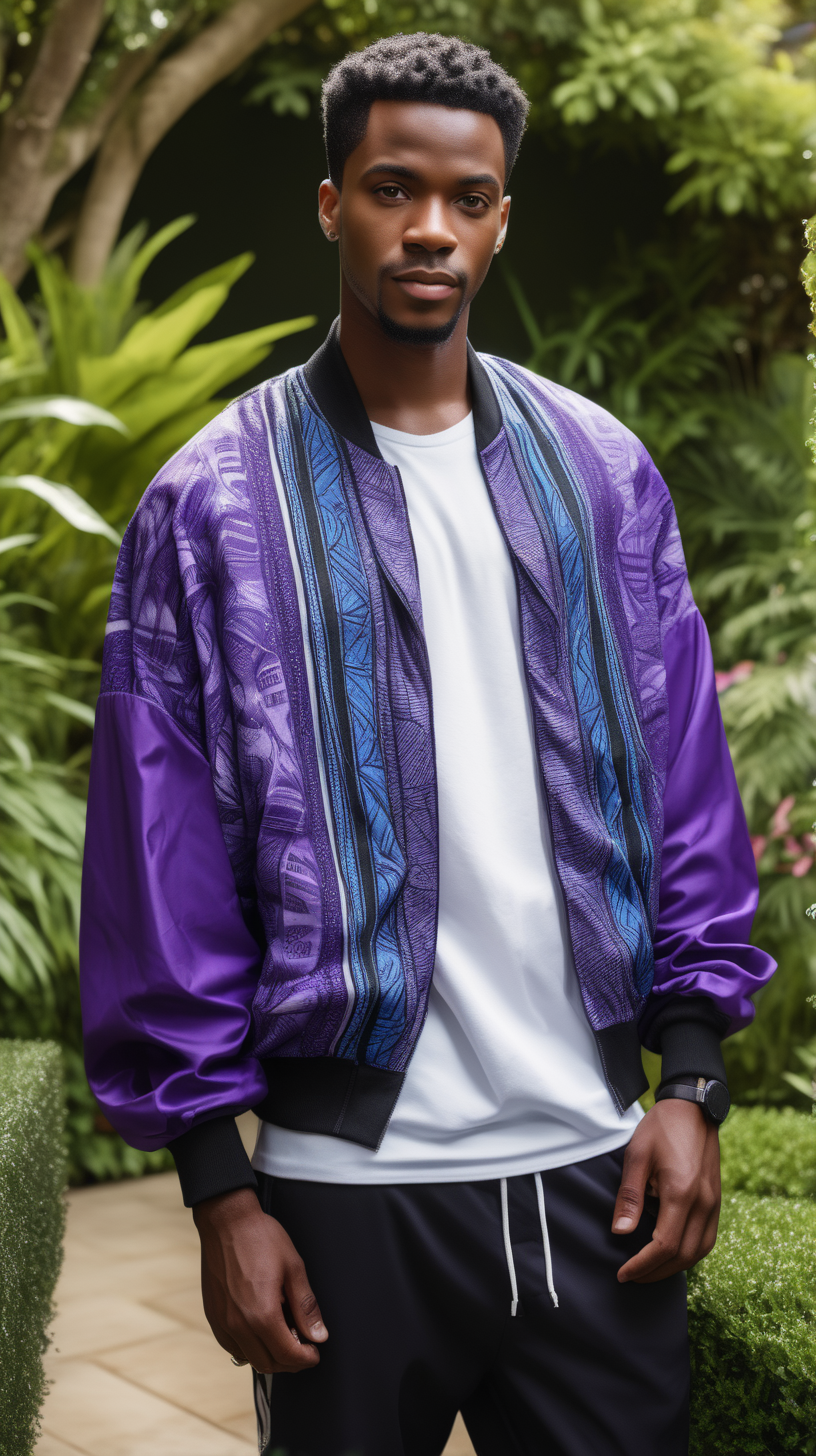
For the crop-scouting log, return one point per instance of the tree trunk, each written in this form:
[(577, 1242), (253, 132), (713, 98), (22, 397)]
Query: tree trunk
[(29, 174), (151, 111)]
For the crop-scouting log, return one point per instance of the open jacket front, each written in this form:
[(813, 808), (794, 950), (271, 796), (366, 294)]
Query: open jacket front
[(260, 888)]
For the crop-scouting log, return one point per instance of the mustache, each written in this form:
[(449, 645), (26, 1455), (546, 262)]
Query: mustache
[(428, 263)]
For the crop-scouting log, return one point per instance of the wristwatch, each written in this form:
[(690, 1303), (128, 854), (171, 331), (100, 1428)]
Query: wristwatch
[(713, 1097)]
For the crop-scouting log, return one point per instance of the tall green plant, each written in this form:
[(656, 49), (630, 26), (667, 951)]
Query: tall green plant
[(99, 345), (96, 393)]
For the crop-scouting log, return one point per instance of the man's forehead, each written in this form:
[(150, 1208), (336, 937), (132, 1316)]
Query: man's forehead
[(423, 135)]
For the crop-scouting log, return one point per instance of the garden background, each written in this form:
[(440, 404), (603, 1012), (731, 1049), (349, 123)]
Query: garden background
[(654, 262), (158, 238)]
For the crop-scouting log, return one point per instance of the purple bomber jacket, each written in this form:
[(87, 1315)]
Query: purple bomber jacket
[(260, 882)]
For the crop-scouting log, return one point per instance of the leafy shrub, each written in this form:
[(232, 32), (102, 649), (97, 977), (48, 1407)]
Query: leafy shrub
[(699, 78), (769, 1151), (752, 1321), (71, 474), (102, 346), (32, 1177)]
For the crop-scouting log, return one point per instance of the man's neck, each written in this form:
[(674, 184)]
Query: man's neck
[(409, 387)]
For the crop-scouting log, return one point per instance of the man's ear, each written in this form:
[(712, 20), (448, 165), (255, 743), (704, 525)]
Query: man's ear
[(505, 215), (328, 209)]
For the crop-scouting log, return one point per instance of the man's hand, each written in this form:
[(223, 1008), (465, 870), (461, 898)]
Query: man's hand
[(675, 1154), (256, 1294)]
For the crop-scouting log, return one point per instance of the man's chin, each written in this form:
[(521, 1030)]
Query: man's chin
[(419, 335)]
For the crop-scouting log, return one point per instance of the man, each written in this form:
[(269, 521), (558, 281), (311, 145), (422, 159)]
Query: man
[(411, 820)]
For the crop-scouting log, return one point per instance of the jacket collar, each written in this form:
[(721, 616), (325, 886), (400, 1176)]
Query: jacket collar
[(329, 379)]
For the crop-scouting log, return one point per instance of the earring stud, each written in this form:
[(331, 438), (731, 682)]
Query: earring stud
[(332, 237)]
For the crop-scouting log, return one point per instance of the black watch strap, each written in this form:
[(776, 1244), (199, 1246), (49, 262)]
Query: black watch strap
[(712, 1096)]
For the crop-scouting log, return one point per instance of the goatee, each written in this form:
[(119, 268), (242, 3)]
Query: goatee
[(415, 334)]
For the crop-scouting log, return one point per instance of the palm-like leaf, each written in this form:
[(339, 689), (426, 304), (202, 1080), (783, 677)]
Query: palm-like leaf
[(60, 407), (142, 370)]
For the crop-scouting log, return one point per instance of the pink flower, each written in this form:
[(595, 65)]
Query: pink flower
[(736, 674), (802, 866), (758, 844), (792, 846), (780, 823)]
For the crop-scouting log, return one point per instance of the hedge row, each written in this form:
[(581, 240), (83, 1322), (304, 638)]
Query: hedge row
[(752, 1302), (32, 1178), (769, 1151)]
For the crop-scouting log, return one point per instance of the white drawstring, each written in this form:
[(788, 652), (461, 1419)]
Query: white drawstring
[(508, 1247), (545, 1240)]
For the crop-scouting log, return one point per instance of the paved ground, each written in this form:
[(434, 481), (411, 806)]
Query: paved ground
[(135, 1369)]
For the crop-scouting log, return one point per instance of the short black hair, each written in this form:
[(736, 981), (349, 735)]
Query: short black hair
[(440, 69)]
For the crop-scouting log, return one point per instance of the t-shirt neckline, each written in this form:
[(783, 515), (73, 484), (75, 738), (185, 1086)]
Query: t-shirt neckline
[(461, 430)]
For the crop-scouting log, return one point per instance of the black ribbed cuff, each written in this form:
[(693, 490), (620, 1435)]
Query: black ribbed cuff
[(211, 1159), (687, 1032)]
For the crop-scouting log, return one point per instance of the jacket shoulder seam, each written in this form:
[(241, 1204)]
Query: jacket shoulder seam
[(160, 708)]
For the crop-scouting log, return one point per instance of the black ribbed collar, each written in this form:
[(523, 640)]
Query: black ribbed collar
[(329, 379)]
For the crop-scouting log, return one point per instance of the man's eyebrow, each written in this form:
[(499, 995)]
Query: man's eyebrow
[(477, 179), (394, 168)]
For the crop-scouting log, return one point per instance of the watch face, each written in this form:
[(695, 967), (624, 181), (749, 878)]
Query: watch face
[(717, 1101)]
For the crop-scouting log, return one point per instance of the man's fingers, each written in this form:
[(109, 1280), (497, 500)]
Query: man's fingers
[(303, 1304), (629, 1202), (670, 1251), (666, 1240), (271, 1347)]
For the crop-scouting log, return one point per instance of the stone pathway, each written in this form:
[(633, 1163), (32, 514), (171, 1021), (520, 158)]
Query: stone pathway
[(135, 1369)]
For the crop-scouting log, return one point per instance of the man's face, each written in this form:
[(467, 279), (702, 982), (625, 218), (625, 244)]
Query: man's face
[(420, 215)]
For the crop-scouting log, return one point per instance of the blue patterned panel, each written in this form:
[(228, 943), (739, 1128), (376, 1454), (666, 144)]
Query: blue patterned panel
[(342, 641), (564, 511)]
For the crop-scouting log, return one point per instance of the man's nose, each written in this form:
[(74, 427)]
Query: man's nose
[(430, 230)]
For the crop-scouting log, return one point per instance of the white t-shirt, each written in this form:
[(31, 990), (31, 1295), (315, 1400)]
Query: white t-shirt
[(506, 1077)]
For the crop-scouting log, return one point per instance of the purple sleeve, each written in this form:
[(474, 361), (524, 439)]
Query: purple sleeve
[(708, 884), (168, 966)]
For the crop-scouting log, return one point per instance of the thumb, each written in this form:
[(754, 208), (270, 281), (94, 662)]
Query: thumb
[(629, 1202), (303, 1304)]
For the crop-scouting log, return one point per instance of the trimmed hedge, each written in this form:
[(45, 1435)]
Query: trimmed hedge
[(769, 1151), (752, 1302), (32, 1178), (752, 1322)]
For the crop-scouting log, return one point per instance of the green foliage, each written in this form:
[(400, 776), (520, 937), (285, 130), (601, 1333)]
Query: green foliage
[(32, 1177), (650, 348), (769, 1152), (752, 1302), (645, 343), (142, 369), (65, 366), (131, 26), (752, 1324), (746, 500), (42, 810), (42, 820), (705, 82)]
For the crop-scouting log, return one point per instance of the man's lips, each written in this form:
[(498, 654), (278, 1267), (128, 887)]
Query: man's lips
[(431, 287)]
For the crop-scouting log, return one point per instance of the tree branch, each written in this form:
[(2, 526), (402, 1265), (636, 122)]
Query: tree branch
[(65, 51), (75, 142), (150, 113), (30, 123)]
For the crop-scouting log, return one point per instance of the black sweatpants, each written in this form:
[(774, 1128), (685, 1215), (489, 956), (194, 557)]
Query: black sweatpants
[(413, 1282)]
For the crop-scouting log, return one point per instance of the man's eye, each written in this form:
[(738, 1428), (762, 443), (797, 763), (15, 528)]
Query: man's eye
[(473, 200), (390, 190)]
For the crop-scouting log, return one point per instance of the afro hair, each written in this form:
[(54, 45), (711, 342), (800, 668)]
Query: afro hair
[(439, 69)]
